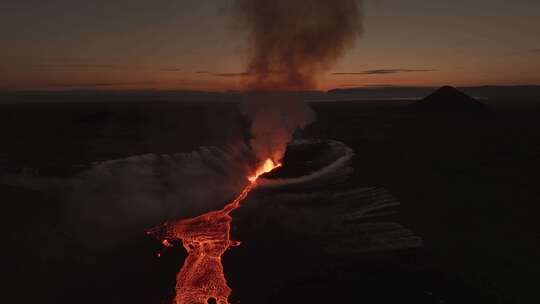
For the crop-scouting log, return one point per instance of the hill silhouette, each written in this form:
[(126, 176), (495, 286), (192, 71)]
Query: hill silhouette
[(449, 99)]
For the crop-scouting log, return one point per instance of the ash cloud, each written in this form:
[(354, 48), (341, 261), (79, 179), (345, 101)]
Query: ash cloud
[(292, 42)]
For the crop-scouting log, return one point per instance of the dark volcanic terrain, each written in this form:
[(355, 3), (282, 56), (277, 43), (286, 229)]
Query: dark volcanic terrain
[(468, 186)]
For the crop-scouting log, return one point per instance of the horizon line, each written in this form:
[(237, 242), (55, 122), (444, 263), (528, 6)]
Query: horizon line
[(157, 90)]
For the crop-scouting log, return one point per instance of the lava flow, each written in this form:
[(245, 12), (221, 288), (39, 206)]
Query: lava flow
[(205, 239)]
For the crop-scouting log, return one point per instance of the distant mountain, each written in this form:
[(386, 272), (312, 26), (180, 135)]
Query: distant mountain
[(448, 99)]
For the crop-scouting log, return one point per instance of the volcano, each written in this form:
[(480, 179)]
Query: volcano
[(448, 99)]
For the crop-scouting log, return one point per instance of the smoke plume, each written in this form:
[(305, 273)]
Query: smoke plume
[(275, 117), (291, 43)]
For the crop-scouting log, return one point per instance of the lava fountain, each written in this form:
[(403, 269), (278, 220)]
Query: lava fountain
[(206, 238)]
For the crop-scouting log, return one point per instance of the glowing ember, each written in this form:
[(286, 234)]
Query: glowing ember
[(205, 239)]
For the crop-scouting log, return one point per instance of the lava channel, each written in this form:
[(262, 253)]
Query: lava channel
[(206, 238)]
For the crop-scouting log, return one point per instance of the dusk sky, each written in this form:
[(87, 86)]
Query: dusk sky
[(195, 45)]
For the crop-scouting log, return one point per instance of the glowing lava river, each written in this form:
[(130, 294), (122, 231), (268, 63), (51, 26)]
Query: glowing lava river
[(206, 238)]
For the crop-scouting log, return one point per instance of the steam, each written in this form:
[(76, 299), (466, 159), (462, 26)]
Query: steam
[(292, 42), (111, 202), (339, 169), (275, 117)]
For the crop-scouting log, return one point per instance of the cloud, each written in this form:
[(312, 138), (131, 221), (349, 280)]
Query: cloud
[(232, 74), (103, 84), (77, 66), (535, 50), (202, 72), (384, 71), (84, 66), (381, 86)]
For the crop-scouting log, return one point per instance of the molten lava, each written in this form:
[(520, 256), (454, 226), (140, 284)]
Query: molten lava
[(266, 167), (205, 239)]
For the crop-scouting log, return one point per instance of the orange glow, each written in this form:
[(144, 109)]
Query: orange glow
[(266, 167), (206, 238)]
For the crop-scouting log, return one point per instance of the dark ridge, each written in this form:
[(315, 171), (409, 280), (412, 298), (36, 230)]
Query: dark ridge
[(449, 100), (300, 160)]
